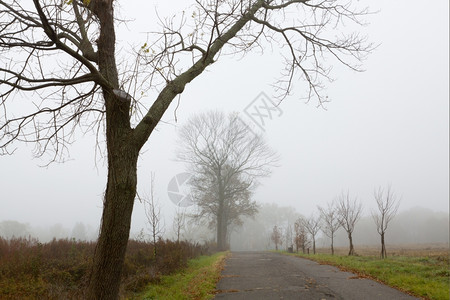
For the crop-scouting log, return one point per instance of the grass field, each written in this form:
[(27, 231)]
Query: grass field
[(198, 281), (422, 271)]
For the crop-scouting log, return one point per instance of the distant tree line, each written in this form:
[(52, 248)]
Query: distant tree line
[(414, 226), (80, 232), (344, 212)]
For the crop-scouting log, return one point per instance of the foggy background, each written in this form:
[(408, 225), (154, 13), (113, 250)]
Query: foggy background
[(387, 125)]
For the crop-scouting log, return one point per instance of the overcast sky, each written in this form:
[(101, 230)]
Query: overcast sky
[(387, 125)]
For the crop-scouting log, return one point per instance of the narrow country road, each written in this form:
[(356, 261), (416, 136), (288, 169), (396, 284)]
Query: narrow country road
[(265, 275)]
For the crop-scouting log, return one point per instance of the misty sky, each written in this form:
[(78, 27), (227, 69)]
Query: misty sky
[(387, 125)]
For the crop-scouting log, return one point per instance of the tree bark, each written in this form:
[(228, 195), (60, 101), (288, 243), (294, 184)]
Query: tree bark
[(122, 164), (118, 202), (219, 227), (350, 239), (224, 237), (155, 251), (332, 245), (383, 247), (112, 243), (221, 221)]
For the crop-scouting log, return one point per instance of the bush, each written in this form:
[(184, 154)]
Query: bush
[(60, 269)]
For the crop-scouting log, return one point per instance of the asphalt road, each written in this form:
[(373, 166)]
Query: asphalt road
[(265, 275)]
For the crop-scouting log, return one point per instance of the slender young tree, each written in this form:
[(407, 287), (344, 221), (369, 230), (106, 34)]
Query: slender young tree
[(330, 222), (277, 236), (60, 57), (152, 211), (387, 204), (301, 235), (312, 225), (289, 237), (349, 214), (179, 221), (296, 235)]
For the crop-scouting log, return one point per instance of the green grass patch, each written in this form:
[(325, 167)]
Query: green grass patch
[(426, 277), (197, 281)]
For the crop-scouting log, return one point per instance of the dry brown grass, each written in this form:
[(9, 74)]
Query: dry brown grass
[(60, 269)]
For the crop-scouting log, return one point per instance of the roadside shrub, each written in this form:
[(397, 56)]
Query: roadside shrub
[(59, 269)]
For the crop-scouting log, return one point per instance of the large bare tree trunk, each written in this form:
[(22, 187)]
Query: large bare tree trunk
[(118, 203), (112, 243), (224, 238), (122, 176), (219, 227), (221, 221), (221, 235)]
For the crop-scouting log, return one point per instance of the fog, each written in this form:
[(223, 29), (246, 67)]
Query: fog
[(414, 226), (388, 125)]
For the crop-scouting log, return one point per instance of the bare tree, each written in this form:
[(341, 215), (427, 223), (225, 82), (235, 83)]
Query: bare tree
[(330, 222), (224, 158), (221, 211), (277, 236), (289, 237), (152, 211), (312, 225), (387, 204), (301, 236), (179, 222), (349, 214), (61, 57)]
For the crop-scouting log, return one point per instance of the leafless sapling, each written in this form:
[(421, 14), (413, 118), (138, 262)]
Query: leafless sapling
[(387, 205), (289, 237), (155, 220), (330, 221), (301, 235), (277, 236), (179, 221), (312, 225), (349, 213)]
